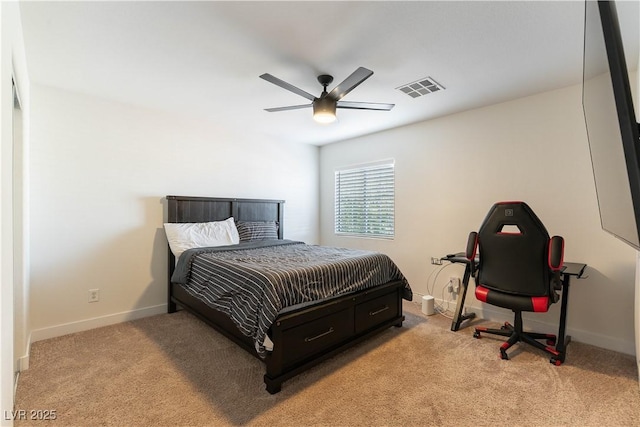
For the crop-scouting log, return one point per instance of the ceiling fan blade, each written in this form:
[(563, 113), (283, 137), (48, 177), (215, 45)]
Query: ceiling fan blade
[(276, 81), (365, 105), (291, 107), (357, 77)]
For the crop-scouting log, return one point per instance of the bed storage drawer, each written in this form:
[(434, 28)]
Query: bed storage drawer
[(375, 311), (319, 334)]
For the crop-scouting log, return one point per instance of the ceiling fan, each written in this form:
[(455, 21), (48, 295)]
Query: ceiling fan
[(324, 107)]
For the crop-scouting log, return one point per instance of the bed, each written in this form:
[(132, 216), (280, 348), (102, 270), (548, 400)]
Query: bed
[(298, 336)]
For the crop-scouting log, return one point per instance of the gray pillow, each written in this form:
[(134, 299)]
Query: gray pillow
[(257, 230)]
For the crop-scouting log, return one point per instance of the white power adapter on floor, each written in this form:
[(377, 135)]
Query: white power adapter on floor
[(427, 305)]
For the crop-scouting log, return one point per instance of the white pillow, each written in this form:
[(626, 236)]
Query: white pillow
[(183, 236)]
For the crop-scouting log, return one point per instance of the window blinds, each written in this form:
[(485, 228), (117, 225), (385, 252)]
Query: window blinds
[(365, 200)]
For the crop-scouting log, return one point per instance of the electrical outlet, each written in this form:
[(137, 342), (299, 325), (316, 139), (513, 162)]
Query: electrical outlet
[(436, 260), (94, 295), (455, 283)]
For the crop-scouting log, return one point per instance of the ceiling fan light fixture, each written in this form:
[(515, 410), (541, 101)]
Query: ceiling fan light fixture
[(324, 110)]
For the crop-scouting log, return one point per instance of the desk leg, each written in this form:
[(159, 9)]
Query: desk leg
[(458, 317), (563, 340)]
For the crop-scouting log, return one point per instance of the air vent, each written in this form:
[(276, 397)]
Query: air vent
[(421, 87)]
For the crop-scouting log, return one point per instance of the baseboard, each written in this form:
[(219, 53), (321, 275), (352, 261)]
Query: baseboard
[(96, 322), (23, 362)]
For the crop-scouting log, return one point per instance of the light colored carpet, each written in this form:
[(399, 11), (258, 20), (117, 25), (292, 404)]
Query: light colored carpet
[(173, 370)]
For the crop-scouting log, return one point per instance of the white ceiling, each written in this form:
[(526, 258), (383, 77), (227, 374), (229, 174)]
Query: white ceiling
[(203, 59)]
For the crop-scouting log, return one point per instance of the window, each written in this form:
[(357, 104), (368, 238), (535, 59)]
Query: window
[(365, 200)]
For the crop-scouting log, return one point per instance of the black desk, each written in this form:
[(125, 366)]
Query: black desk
[(458, 317), (569, 270)]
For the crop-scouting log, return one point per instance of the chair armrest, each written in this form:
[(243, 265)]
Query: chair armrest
[(556, 253), (556, 260), (472, 246), (470, 253)]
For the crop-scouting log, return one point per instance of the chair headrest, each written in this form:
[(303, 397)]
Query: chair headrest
[(512, 218), (513, 246)]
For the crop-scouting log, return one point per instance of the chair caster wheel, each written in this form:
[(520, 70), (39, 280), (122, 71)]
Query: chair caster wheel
[(555, 361), (476, 335), (503, 355)]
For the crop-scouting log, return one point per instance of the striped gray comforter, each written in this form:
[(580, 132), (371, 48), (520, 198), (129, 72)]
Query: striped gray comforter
[(252, 282)]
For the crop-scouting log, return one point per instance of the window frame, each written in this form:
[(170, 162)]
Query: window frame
[(377, 201)]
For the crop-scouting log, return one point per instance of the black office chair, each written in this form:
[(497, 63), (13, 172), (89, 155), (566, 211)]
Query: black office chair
[(518, 268)]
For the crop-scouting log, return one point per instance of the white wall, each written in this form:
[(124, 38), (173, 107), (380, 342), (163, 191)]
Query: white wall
[(451, 170), (99, 174), (13, 324)]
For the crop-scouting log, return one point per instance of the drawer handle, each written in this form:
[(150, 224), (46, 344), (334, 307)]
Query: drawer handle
[(373, 313), (309, 339)]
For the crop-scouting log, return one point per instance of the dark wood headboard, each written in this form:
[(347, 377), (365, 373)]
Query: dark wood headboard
[(205, 209)]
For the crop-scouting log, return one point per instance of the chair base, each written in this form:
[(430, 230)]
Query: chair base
[(515, 334)]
